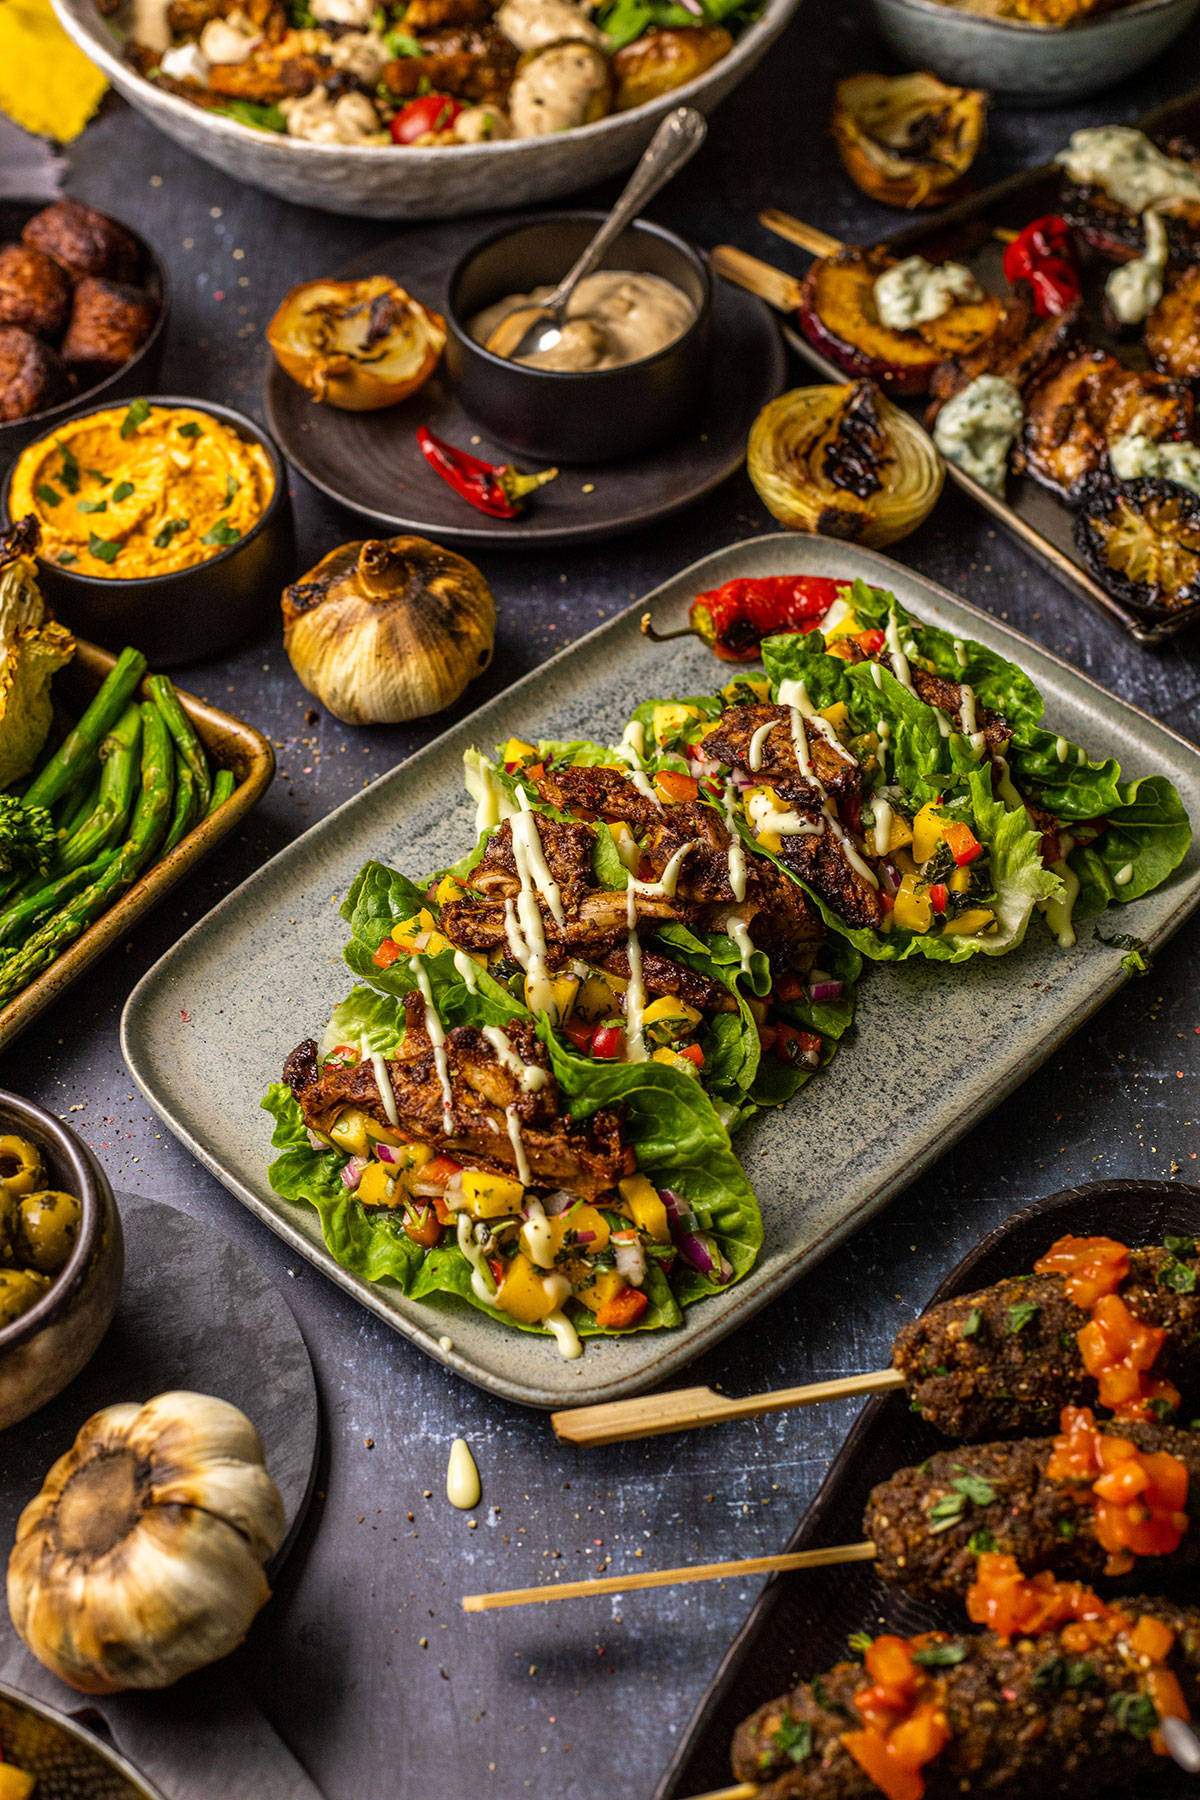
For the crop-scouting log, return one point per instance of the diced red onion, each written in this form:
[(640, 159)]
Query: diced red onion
[(315, 1142), (825, 990), (511, 768), (697, 1248), (696, 760), (386, 1154), (889, 875), (354, 1171), (743, 783), (585, 1237), (631, 1260)]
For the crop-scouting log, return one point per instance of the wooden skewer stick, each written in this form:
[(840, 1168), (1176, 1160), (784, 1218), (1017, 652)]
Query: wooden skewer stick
[(818, 243), (651, 1578), (781, 291), (745, 1790), (620, 1421)]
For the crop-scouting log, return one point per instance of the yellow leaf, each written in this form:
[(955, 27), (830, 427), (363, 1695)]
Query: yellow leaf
[(47, 85)]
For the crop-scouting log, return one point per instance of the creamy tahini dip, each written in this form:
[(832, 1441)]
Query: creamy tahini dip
[(614, 317)]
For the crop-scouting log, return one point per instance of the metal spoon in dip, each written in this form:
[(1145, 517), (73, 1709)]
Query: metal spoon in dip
[(538, 326)]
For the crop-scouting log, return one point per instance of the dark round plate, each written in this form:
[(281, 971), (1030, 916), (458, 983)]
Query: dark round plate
[(370, 461)]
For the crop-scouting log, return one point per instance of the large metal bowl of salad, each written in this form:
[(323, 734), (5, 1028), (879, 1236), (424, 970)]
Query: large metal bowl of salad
[(420, 108)]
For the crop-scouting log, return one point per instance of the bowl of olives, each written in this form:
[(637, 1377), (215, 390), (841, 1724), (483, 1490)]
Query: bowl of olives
[(62, 1256)]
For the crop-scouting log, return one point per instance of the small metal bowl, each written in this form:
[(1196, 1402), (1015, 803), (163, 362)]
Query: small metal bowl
[(67, 1761), (133, 377), (594, 415), (47, 1347), (1028, 64), (191, 613)]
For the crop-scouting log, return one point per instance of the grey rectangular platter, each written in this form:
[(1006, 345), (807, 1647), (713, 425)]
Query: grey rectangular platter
[(264, 968)]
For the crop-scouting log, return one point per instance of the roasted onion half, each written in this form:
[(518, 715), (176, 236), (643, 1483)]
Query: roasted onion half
[(845, 462), (908, 140), (1141, 541), (357, 345)]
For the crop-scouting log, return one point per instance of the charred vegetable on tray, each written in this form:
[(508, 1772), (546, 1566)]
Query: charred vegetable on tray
[(1141, 540), (908, 140), (356, 345)]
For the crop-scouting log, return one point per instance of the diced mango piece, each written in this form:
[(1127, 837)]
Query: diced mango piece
[(626, 843), (516, 750), (564, 988), (522, 1293), (669, 1006), (407, 931), (837, 715), (671, 720), (448, 890), (598, 997), (900, 834), (673, 1060), (912, 911), (585, 1219), (975, 919), (14, 1783), (960, 881), (770, 840), (759, 686), (349, 1132), (927, 831), (847, 626), (646, 1208), (410, 1160), (606, 1286), (491, 1196), (380, 1186)]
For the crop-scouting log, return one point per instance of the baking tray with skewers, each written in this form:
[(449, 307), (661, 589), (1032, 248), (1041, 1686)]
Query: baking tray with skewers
[(975, 233)]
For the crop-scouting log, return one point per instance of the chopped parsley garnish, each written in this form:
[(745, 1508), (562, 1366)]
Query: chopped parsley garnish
[(940, 1656), (1177, 1275), (945, 1512), (1138, 961), (163, 536), (1162, 1408), (1066, 1339), (100, 476), (974, 1488), (1180, 1246), (222, 533), (91, 506), (793, 1738), (48, 495), (399, 43), (191, 429), (139, 412), (232, 486), (1134, 1713), (70, 469), (972, 1322), (981, 1543), (924, 1468), (106, 549), (122, 490), (1020, 1313)]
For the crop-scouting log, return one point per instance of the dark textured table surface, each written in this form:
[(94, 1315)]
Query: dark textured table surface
[(383, 1688)]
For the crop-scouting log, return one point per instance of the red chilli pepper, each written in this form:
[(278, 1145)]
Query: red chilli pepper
[(494, 488), (427, 113), (1043, 256), (734, 619)]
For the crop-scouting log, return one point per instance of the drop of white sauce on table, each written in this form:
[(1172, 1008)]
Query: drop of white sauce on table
[(462, 1477)]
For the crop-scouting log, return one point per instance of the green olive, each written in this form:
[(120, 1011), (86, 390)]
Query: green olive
[(47, 1227), (8, 1226), (19, 1290), (20, 1165)]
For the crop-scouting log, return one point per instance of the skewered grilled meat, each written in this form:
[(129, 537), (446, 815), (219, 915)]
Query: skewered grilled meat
[(1021, 346), (1027, 1720), (35, 291), (1007, 1359), (32, 375), (1172, 330), (110, 322), (83, 241), (929, 1524), (586, 1159), (1079, 408), (475, 62)]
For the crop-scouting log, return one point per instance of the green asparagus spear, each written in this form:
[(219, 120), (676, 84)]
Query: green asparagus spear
[(118, 776), (146, 830), (186, 741), (27, 911), (74, 755), (74, 808), (223, 787), (185, 811)]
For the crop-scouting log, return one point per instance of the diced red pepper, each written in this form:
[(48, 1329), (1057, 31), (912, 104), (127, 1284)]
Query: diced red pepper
[(938, 897), (445, 1214), (579, 1033), (694, 1054), (886, 902), (424, 1227), (674, 787), (439, 1172), (623, 1310), (386, 954), (342, 1054), (608, 1042), (872, 641), (429, 112), (498, 1270), (964, 845)]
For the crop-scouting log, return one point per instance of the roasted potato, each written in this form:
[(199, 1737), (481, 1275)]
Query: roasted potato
[(84, 241), (664, 60), (109, 323), (1172, 334), (34, 291), (32, 375)]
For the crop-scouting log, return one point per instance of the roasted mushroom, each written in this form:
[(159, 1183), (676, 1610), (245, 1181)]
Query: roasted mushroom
[(32, 375), (34, 291), (557, 88), (907, 140), (1172, 330), (358, 345), (84, 241), (386, 631), (110, 322), (839, 316), (1141, 540), (845, 462), (665, 59), (1075, 411)]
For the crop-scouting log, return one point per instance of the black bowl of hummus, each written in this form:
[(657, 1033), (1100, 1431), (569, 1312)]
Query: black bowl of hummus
[(631, 367)]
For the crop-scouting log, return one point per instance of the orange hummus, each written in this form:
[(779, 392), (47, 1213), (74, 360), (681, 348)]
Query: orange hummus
[(141, 490)]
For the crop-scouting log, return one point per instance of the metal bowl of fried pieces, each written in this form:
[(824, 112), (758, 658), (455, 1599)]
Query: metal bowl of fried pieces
[(61, 1760)]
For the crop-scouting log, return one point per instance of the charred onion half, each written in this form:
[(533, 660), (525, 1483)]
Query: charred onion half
[(357, 345), (1141, 541), (908, 140), (845, 462)]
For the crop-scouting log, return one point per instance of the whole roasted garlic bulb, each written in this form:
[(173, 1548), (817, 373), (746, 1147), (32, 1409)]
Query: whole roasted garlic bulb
[(357, 345), (142, 1557), (389, 630), (845, 462)]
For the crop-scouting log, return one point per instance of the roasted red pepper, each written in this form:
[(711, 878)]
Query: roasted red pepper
[(495, 488), (733, 620), (1043, 256)]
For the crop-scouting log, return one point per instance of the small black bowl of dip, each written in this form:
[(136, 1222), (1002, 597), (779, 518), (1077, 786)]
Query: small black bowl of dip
[(579, 415)]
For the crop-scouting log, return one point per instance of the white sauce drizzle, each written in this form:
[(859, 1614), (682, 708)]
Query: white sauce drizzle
[(468, 968), (883, 825), (632, 750), (1004, 786), (1058, 912), (437, 1037), (524, 1172), (1062, 749), (960, 653), (737, 856), (530, 1076), (531, 861), (900, 668), (668, 881), (482, 1285), (738, 932), (462, 1477), (945, 725), (877, 674), (565, 1335), (635, 993), (794, 693), (445, 1343), (1124, 876), (754, 759), (537, 1236), (523, 925), (383, 1081)]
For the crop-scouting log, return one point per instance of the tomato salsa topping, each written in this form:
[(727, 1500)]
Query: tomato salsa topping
[(904, 1720), (1139, 1495), (1117, 1349)]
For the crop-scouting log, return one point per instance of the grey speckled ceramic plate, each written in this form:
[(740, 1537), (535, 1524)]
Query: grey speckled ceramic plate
[(264, 969)]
